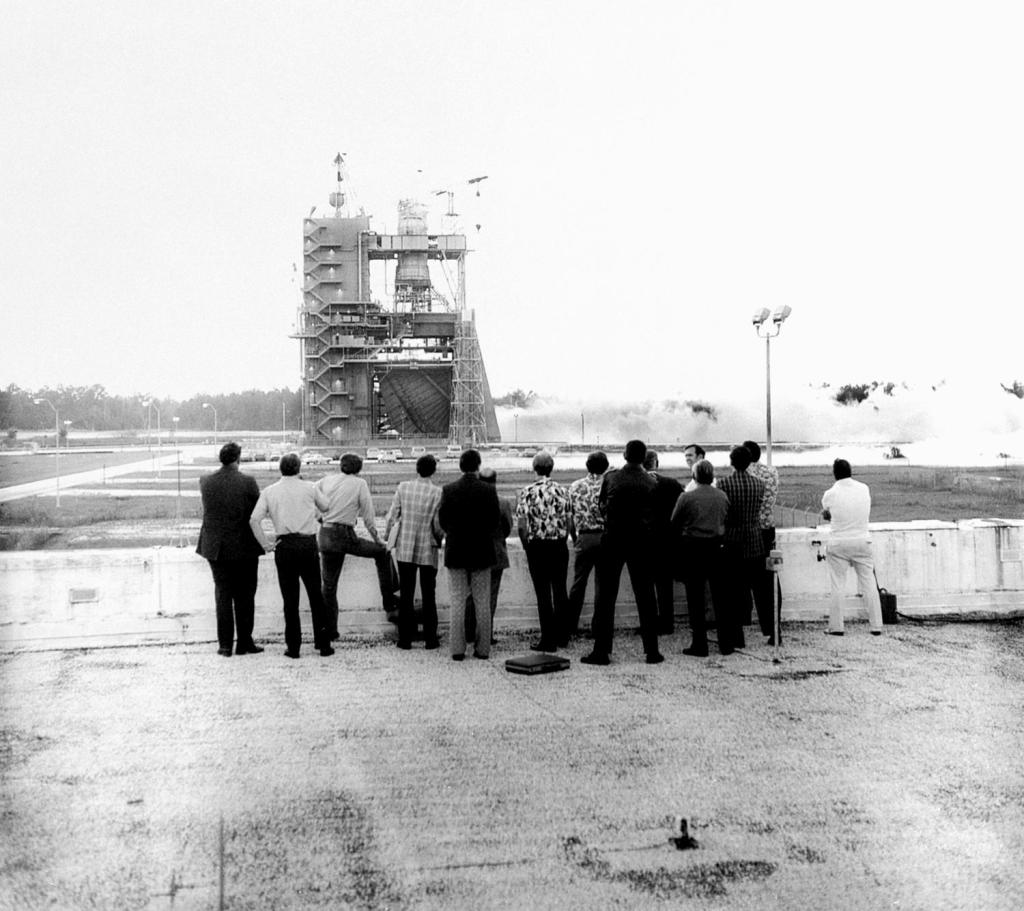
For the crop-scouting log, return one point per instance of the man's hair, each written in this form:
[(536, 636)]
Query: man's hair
[(351, 463), (753, 449), (597, 462), (698, 450), (651, 460), (703, 472), (489, 475), (469, 461), (841, 469), (426, 465), (739, 458), (290, 464), (230, 452), (635, 452), (543, 463)]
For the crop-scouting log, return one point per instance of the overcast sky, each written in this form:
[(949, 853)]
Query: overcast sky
[(656, 172)]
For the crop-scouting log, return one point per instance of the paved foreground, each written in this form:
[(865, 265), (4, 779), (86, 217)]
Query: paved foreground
[(858, 773)]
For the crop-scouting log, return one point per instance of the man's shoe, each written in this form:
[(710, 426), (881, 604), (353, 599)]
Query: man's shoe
[(666, 629), (543, 646), (457, 657), (494, 641), (697, 652), (876, 632), (335, 637), (226, 652), (476, 654), (288, 653), (741, 642), (724, 651), (595, 658), (404, 645), (834, 632), (326, 651), (655, 657), (253, 649), (432, 643)]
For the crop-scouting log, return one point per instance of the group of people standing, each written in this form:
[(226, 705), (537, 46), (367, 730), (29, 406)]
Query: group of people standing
[(712, 534)]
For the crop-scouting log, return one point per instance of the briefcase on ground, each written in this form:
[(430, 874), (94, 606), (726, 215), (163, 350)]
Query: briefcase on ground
[(536, 663), (888, 601)]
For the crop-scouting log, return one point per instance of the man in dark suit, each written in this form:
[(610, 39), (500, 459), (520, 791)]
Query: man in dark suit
[(666, 494), (227, 541), (469, 515), (627, 499)]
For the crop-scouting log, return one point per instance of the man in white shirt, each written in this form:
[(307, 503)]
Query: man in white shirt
[(847, 505), (348, 500), (291, 504)]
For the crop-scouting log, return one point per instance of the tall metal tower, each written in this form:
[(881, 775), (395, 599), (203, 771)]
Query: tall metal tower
[(468, 416)]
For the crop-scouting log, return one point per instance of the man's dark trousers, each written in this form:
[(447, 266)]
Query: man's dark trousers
[(406, 601), (296, 558), (663, 573), (702, 565), (234, 583), (335, 542), (635, 555), (588, 553), (764, 589), (548, 561)]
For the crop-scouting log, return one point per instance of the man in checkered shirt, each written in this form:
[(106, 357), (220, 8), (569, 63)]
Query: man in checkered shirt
[(764, 597), (586, 531), (744, 552)]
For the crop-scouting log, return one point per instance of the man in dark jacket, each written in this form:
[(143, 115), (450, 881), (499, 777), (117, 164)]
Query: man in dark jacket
[(627, 499), (666, 493), (469, 514), (227, 541)]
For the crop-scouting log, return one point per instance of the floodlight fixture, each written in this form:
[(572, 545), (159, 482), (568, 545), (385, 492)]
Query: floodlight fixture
[(760, 316), (781, 315)]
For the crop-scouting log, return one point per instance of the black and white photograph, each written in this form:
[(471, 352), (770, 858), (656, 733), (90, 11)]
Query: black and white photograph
[(511, 455)]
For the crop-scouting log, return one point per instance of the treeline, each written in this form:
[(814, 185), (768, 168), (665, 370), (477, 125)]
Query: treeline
[(93, 408)]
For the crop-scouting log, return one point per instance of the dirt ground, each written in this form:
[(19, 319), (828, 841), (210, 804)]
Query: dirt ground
[(859, 772)]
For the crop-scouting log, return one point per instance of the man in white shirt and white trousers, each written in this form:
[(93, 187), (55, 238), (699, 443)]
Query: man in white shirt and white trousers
[(847, 505)]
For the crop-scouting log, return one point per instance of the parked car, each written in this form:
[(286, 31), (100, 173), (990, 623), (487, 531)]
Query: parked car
[(387, 455), (373, 453), (314, 457)]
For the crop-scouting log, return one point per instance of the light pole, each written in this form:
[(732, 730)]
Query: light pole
[(149, 403), (67, 435), (515, 426), (214, 410), (768, 329), (56, 440)]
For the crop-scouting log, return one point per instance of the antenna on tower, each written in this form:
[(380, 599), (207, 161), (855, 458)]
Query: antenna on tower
[(338, 198)]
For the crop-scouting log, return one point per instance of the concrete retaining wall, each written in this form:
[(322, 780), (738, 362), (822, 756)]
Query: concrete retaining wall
[(964, 570)]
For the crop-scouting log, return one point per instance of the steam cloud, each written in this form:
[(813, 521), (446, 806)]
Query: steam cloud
[(802, 414)]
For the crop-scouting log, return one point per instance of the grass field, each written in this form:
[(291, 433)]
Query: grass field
[(112, 519)]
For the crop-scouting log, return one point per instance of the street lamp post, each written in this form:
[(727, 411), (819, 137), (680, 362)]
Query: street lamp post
[(768, 325), (214, 410), (56, 442), (515, 426), (149, 403)]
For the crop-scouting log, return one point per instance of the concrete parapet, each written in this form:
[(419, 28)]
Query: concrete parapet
[(964, 570)]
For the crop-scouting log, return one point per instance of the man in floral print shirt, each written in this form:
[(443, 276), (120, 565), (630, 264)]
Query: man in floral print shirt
[(542, 515)]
